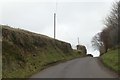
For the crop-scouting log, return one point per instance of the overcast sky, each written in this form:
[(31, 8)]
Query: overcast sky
[(75, 18)]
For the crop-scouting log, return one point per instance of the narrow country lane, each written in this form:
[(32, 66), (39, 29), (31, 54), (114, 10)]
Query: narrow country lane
[(87, 67)]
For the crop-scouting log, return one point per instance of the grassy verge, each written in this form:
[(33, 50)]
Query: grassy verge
[(73, 55), (110, 59), (35, 64), (25, 53)]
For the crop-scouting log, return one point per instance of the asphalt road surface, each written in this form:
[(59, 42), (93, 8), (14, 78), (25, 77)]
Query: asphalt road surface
[(87, 67)]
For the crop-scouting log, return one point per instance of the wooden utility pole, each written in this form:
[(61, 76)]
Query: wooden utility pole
[(54, 25), (78, 41)]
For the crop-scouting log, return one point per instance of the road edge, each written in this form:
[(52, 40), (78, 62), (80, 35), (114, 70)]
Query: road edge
[(55, 63), (105, 67)]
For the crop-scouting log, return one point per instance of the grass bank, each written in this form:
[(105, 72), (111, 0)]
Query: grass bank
[(111, 60), (25, 53)]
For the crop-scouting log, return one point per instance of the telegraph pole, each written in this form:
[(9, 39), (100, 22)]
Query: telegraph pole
[(78, 41), (55, 13), (54, 25)]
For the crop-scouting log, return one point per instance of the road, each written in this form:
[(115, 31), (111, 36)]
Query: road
[(87, 67)]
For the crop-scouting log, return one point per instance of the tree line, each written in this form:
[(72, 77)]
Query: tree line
[(109, 37)]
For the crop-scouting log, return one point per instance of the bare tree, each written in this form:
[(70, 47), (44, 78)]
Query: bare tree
[(96, 42), (109, 37), (112, 23)]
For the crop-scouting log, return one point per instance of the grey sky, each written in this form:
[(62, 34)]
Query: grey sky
[(75, 18)]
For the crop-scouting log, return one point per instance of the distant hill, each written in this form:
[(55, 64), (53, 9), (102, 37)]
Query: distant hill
[(25, 53)]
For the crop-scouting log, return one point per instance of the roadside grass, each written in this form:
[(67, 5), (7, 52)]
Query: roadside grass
[(111, 60), (25, 53), (27, 65)]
